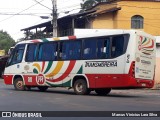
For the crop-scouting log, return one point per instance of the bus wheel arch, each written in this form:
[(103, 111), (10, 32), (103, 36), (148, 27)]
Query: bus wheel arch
[(18, 83), (80, 85)]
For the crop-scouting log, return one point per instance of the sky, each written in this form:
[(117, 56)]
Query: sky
[(29, 13)]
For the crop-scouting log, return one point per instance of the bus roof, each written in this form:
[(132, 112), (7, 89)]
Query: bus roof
[(85, 33)]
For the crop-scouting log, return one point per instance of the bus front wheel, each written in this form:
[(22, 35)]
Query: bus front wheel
[(103, 91), (19, 84), (80, 87)]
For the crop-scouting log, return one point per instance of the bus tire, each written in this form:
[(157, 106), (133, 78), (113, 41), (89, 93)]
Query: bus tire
[(42, 88), (19, 84), (2, 74), (103, 91), (80, 87)]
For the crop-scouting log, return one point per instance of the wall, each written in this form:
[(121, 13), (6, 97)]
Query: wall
[(121, 19), (146, 9), (103, 21)]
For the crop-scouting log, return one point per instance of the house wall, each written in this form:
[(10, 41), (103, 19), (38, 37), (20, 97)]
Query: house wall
[(104, 21), (121, 19), (144, 8)]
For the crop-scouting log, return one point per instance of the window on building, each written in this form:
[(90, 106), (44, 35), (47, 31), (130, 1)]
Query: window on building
[(137, 22)]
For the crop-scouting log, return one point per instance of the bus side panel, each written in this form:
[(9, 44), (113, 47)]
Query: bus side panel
[(130, 52), (30, 80), (116, 81), (8, 79)]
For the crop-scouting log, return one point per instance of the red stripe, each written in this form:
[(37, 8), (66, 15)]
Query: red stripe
[(43, 64), (66, 73), (72, 37), (141, 38), (151, 45), (35, 41)]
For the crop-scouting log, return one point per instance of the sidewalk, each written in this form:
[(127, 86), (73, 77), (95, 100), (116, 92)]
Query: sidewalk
[(156, 86)]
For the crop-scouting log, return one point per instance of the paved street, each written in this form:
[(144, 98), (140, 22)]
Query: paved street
[(61, 99)]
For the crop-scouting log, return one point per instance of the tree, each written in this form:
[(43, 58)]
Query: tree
[(86, 4), (5, 41), (36, 35)]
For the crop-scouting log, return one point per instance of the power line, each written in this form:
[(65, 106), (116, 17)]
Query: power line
[(42, 4), (34, 14), (19, 12), (75, 5)]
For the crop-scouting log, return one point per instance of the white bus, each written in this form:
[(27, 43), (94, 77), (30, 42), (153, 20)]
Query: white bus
[(100, 61)]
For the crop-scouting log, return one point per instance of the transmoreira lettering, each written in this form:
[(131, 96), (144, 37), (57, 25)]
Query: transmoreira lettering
[(101, 63)]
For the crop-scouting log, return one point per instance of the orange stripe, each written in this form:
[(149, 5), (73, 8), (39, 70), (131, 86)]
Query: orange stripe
[(37, 66), (66, 73), (55, 39), (146, 43), (56, 70)]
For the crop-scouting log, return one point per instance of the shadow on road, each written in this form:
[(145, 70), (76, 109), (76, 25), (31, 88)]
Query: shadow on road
[(114, 93)]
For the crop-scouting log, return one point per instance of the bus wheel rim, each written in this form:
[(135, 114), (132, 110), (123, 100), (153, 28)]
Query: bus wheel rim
[(79, 87), (19, 84)]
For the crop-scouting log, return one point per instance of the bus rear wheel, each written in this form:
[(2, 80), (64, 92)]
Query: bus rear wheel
[(19, 84), (80, 87), (42, 88), (103, 91)]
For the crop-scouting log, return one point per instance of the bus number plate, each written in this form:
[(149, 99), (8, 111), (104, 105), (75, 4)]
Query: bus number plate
[(143, 84)]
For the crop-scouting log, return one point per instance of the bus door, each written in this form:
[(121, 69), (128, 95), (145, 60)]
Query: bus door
[(16, 61)]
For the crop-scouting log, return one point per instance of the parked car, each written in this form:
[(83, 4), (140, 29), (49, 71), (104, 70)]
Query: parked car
[(3, 60)]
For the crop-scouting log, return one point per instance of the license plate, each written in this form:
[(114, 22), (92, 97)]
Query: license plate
[(143, 84)]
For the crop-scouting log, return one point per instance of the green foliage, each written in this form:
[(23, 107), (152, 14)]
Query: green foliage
[(37, 35), (5, 41), (86, 4)]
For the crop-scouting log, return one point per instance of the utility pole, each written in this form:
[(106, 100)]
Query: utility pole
[(54, 15)]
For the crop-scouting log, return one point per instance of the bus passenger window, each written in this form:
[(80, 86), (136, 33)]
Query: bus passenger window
[(70, 50), (89, 49), (103, 46), (47, 52), (31, 52), (100, 49), (117, 46)]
